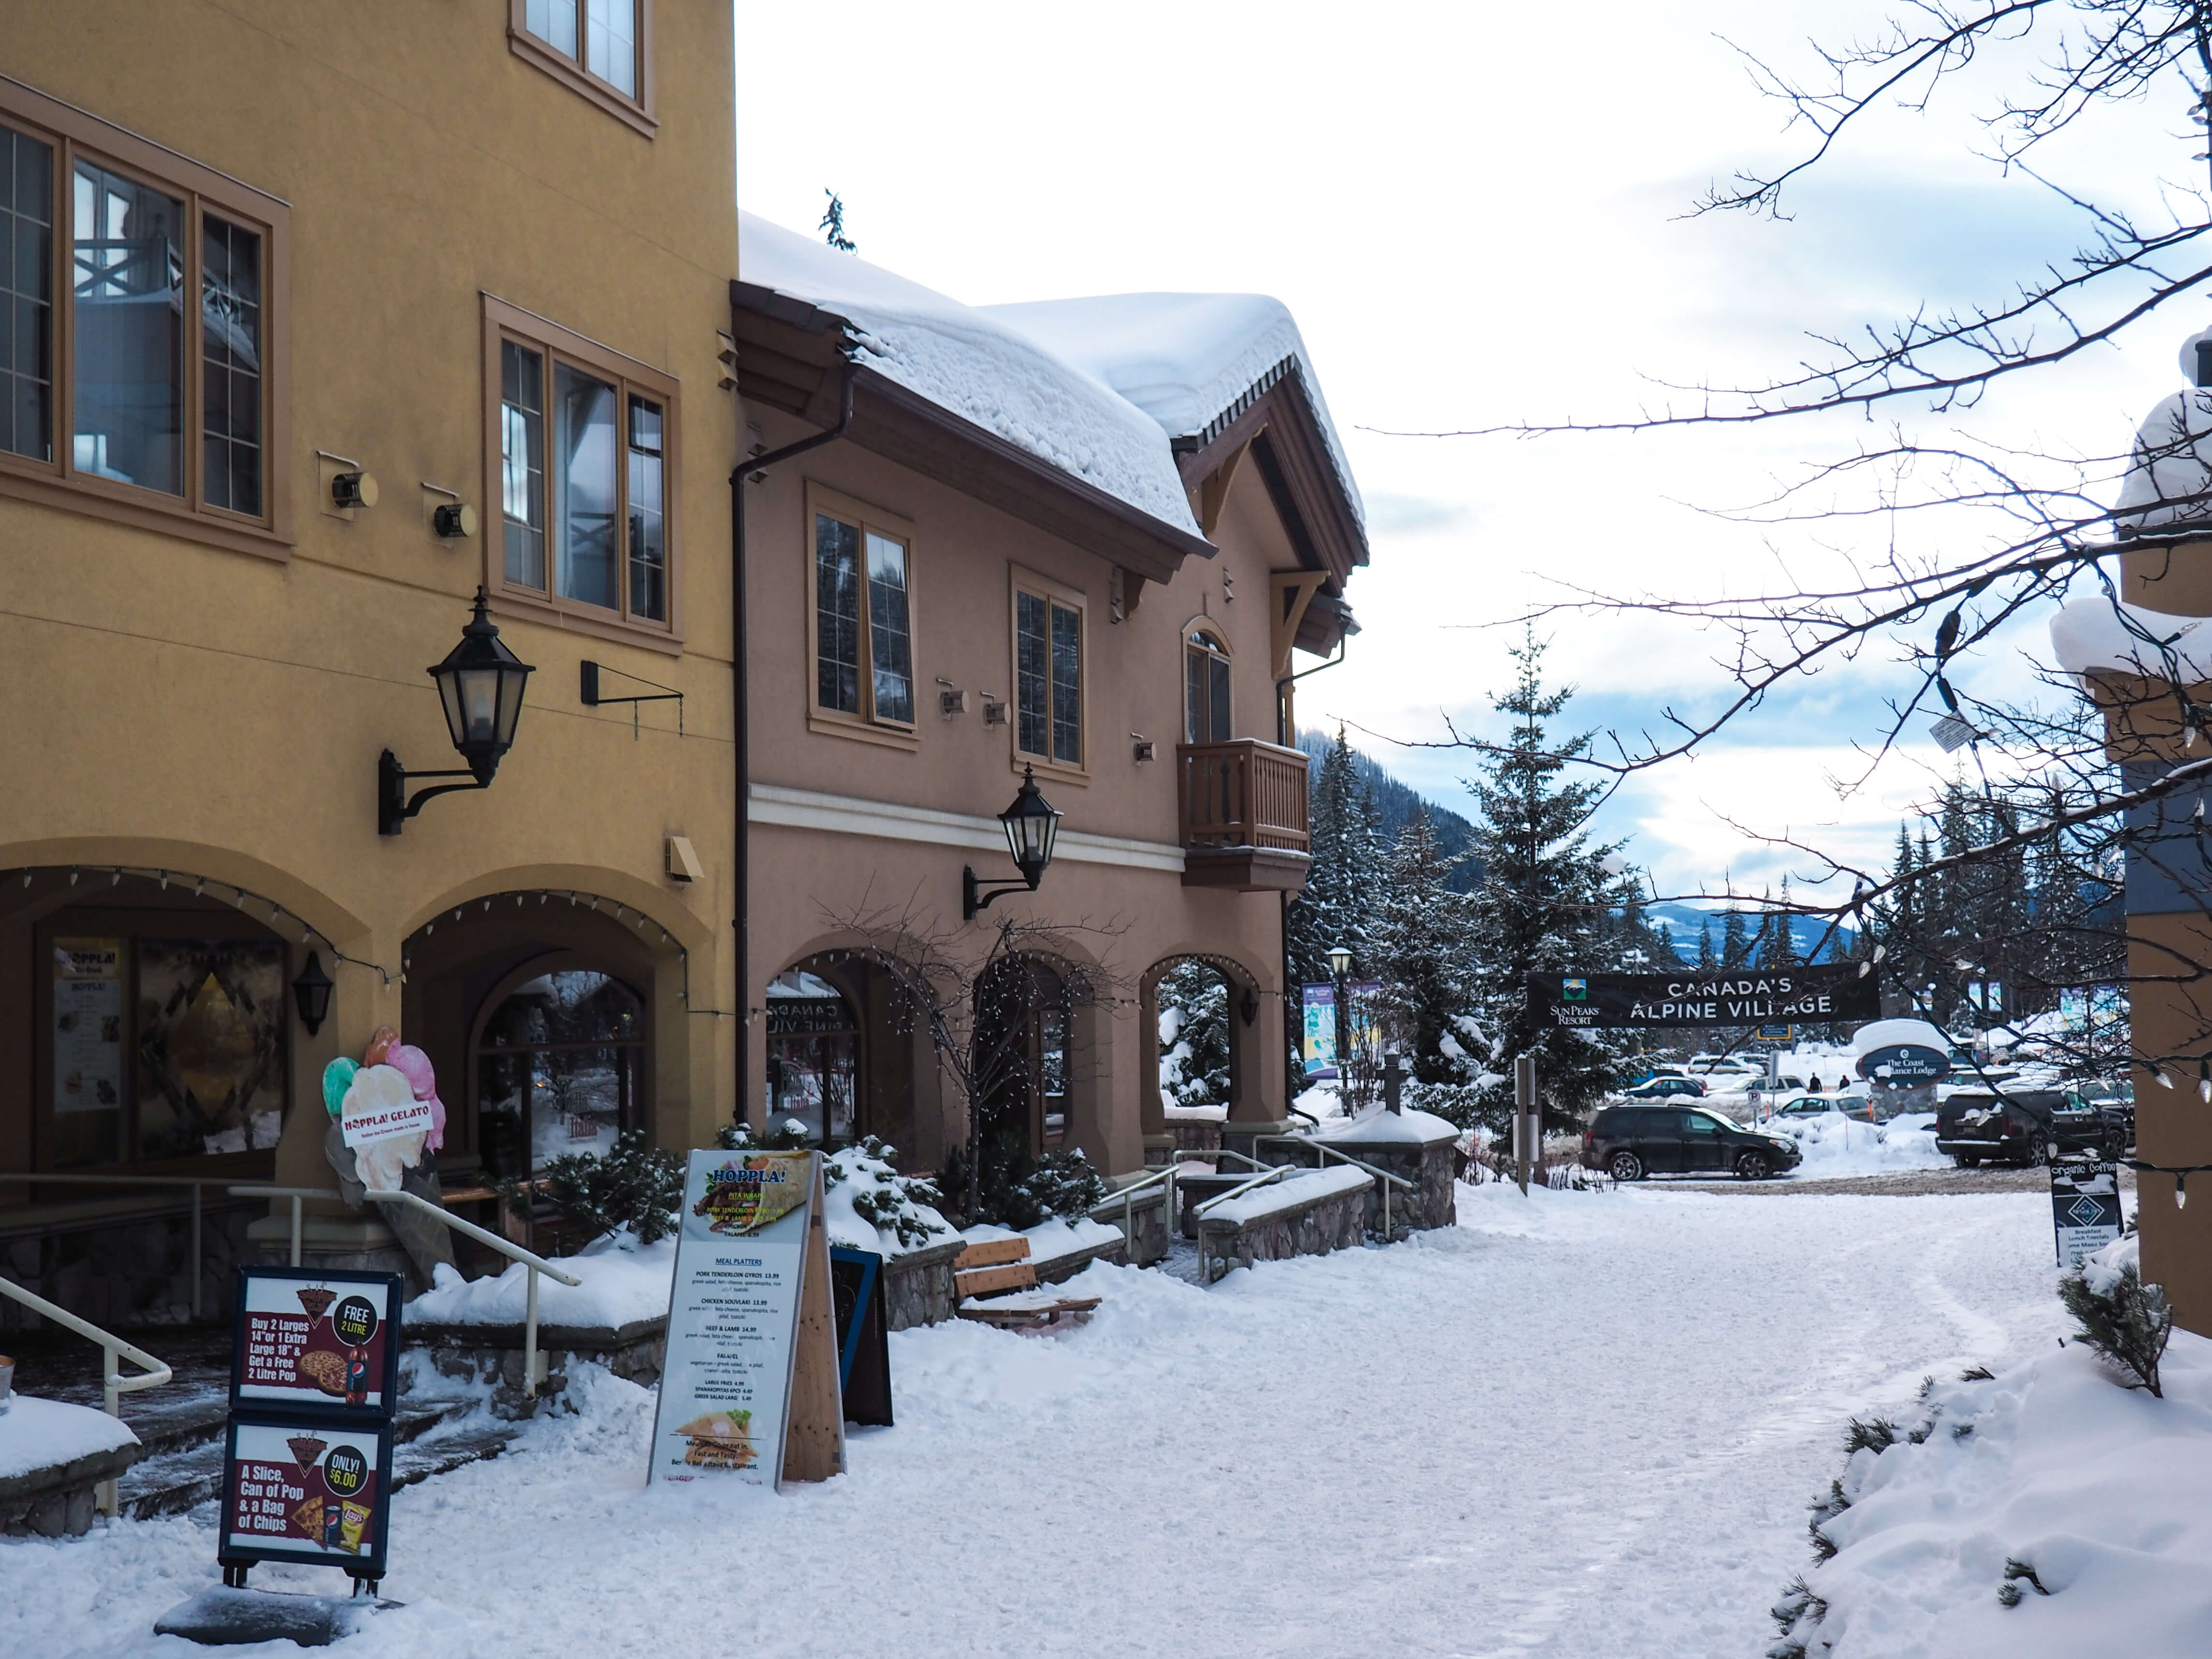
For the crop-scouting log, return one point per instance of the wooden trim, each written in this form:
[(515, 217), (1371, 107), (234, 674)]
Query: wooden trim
[(502, 321), (1213, 490), (850, 814), (637, 113), (1018, 581), (75, 135), (1290, 592), (866, 724)]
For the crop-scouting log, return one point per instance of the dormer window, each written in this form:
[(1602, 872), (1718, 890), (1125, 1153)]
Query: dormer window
[(1206, 686)]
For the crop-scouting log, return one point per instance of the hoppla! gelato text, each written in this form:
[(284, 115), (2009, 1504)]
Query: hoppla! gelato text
[(746, 1194)]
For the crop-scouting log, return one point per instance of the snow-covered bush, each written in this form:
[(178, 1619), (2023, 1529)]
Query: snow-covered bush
[(789, 1136), (2124, 1320), (904, 1206), (630, 1185)]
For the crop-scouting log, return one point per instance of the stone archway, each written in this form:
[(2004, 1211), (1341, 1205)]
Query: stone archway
[(1228, 1021)]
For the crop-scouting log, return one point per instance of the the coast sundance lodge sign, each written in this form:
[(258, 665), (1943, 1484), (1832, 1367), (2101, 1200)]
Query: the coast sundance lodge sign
[(1741, 996)]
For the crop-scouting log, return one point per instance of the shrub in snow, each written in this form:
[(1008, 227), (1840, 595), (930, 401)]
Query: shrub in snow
[(903, 1205), (789, 1136), (2124, 1320), (2016, 1573), (1194, 1035), (630, 1185), (1021, 1194)]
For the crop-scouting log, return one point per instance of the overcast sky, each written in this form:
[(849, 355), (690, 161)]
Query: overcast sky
[(1477, 213)]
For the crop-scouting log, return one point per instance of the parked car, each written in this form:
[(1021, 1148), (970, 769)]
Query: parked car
[(1664, 1086), (1857, 1106), (2026, 1126), (1631, 1142)]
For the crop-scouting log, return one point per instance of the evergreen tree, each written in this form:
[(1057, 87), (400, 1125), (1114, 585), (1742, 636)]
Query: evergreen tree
[(1337, 906), (1422, 933), (1707, 960), (833, 225), (1779, 949), (1194, 1036), (1547, 903), (1735, 944)]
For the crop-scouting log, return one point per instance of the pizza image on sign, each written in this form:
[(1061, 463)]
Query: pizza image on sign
[(746, 1194)]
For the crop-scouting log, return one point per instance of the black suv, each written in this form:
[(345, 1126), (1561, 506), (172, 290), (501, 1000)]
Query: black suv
[(2026, 1126), (1631, 1142)]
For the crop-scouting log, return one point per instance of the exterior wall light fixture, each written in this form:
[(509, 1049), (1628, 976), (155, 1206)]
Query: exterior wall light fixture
[(352, 489), (480, 684), (311, 994), (1032, 824)]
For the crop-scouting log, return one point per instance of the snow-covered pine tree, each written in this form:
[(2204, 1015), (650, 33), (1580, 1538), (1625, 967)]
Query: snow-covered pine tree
[(1707, 960), (833, 225), (1421, 934), (1194, 1036), (1337, 905), (1547, 903), (1735, 943)]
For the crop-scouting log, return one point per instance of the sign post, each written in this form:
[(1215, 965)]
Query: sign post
[(2085, 1207), (750, 1388), (1525, 1118)]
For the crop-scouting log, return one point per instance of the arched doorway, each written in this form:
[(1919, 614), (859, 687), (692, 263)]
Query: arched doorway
[(1201, 1010), (1024, 1012), (559, 1067), (813, 1058)]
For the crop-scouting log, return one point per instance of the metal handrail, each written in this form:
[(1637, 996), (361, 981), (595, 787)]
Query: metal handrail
[(1128, 1195), (1329, 1151), (1269, 1172), (537, 1264), (193, 1182), (113, 1384)]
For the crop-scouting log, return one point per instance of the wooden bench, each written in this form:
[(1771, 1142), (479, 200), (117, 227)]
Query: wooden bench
[(1000, 1268)]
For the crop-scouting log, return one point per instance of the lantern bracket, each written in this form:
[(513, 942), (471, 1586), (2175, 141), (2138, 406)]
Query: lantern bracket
[(393, 808), (974, 896)]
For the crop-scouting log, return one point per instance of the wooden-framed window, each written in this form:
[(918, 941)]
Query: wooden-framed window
[(1049, 633), (1204, 684), (112, 400), (601, 49), (581, 457), (859, 619)]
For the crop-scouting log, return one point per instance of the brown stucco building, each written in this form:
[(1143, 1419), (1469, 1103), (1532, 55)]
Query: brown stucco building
[(319, 320)]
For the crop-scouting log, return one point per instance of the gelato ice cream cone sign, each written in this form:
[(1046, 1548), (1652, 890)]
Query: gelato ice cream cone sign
[(313, 1385), (749, 1391)]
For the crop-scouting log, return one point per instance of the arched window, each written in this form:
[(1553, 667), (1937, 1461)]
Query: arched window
[(560, 1069), (813, 1057), (1205, 687)]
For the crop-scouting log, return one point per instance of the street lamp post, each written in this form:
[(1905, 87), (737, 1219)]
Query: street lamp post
[(1339, 966)]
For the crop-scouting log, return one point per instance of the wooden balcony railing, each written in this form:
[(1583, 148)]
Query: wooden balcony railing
[(1243, 806)]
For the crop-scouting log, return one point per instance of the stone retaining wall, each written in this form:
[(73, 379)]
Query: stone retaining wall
[(1147, 1234), (1333, 1221), (1430, 1204), (59, 1502), (918, 1286), (493, 1354), (131, 1272)]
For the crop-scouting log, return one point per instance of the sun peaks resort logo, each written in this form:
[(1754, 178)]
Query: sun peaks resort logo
[(1574, 990)]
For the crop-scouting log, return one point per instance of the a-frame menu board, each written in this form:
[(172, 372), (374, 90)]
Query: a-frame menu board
[(749, 1389)]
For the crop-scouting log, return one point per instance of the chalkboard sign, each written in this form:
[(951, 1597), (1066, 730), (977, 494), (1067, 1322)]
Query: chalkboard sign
[(864, 1356), (2085, 1207)]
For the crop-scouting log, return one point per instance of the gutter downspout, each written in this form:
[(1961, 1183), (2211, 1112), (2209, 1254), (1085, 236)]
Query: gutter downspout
[(741, 738), (1283, 900)]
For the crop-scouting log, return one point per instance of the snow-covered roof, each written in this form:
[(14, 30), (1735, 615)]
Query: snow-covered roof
[(2096, 632), (1888, 1033), (2169, 478), (979, 366), (1189, 360)]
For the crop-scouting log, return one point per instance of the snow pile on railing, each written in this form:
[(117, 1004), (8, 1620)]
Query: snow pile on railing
[(1287, 1193), (623, 1282)]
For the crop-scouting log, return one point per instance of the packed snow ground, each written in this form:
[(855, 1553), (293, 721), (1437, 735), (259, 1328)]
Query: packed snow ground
[(1577, 1424), (1836, 1146)]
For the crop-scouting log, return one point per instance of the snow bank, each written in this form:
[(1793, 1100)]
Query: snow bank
[(978, 367), (2096, 632), (2098, 1488), (1184, 359), (1835, 1145), (1050, 1240), (624, 1281), (40, 1434), (1379, 1126), (1287, 1193), (1196, 1114)]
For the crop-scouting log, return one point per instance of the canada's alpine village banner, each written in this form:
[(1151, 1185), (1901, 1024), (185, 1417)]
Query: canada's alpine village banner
[(741, 1379), (1730, 996)]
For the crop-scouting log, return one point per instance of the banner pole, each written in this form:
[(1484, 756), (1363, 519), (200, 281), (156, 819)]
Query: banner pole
[(1524, 1119)]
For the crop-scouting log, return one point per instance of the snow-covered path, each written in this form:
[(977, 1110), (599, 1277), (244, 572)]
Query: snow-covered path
[(1578, 1424)]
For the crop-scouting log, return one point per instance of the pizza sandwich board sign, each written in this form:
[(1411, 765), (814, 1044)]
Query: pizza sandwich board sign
[(2085, 1207), (748, 1391)]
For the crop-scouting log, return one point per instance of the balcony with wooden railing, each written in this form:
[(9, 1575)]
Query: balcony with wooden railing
[(1243, 808)]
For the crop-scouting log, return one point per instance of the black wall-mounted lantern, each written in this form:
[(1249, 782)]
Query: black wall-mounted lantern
[(311, 994), (480, 685), (1032, 825)]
